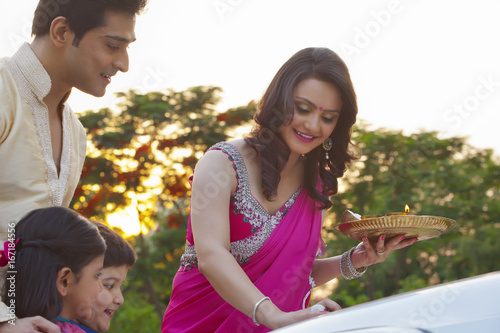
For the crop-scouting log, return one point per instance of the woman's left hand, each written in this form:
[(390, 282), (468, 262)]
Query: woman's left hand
[(368, 253)]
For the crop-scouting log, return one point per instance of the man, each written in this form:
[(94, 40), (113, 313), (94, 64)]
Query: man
[(77, 44)]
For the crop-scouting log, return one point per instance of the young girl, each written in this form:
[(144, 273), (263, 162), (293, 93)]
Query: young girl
[(56, 268)]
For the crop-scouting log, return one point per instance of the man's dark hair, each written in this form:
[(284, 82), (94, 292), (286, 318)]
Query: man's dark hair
[(82, 15)]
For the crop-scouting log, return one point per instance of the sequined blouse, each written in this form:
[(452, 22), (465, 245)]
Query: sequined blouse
[(250, 223)]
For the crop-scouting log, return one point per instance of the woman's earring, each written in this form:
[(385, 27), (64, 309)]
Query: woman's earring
[(327, 145)]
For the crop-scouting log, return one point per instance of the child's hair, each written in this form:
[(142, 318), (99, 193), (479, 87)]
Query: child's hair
[(118, 251), (49, 240)]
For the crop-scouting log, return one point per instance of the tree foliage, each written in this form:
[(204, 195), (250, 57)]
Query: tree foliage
[(434, 176), (143, 154), (140, 159)]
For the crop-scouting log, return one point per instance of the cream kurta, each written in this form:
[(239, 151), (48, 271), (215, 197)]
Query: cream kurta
[(28, 174)]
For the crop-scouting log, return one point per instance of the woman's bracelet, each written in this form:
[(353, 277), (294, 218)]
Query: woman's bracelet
[(255, 310), (347, 268)]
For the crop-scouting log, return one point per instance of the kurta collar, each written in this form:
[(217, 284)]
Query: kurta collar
[(33, 71)]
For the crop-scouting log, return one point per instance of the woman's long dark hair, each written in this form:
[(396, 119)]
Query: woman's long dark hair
[(276, 110), (49, 239)]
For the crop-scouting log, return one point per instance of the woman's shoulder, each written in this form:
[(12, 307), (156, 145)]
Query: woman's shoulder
[(219, 157), (234, 150), (228, 157), (246, 151), (215, 168), (237, 144)]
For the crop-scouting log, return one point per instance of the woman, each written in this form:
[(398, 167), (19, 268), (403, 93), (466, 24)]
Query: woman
[(257, 203)]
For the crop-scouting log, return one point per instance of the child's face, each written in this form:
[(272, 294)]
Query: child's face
[(83, 291), (109, 299)]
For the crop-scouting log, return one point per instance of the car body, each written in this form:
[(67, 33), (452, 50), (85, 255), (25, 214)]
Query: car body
[(467, 305)]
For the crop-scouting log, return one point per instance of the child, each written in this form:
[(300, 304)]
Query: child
[(56, 268), (118, 259)]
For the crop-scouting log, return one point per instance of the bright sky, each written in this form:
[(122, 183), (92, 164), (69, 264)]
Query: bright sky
[(414, 63)]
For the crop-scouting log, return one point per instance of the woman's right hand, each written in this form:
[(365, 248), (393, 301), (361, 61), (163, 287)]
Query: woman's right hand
[(269, 315)]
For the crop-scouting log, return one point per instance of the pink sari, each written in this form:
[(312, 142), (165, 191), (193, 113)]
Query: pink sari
[(280, 269)]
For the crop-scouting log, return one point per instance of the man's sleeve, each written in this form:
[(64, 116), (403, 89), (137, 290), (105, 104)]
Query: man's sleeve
[(6, 105)]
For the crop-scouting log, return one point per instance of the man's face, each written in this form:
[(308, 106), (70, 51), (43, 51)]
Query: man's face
[(100, 54), (109, 299)]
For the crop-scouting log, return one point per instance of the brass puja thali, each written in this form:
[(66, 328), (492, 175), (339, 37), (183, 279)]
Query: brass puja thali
[(420, 226)]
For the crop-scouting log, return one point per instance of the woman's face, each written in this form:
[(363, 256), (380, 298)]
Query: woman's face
[(317, 107)]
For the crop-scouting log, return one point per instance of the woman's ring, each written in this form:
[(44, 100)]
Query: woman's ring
[(380, 253), (317, 308)]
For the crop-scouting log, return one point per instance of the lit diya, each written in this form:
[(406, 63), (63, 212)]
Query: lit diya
[(393, 224), (407, 210)]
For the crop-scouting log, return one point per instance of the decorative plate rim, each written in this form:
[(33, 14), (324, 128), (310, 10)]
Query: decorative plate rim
[(421, 226)]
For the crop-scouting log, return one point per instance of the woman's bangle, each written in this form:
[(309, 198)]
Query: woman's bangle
[(347, 269), (255, 310), (355, 272)]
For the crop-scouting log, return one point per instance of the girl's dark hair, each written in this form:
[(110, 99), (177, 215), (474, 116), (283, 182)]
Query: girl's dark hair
[(276, 109), (49, 240), (118, 251), (82, 15)]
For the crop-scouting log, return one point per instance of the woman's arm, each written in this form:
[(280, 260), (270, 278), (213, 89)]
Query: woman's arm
[(213, 183)]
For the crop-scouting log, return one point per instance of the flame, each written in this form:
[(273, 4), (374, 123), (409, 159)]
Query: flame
[(407, 208)]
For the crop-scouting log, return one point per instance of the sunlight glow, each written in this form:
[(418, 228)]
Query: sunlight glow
[(325, 290), (92, 151), (142, 197), (240, 132), (177, 153), (144, 139), (153, 181), (170, 129), (126, 219), (126, 164)]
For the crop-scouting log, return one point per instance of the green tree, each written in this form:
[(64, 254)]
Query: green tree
[(440, 177)]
